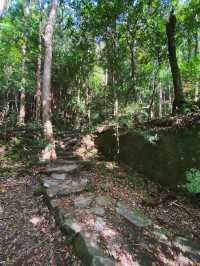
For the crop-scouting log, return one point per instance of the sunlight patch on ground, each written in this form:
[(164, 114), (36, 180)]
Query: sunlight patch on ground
[(36, 220)]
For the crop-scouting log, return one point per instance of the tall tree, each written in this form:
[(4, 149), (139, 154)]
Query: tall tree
[(49, 153), (22, 111), (178, 89), (3, 6), (38, 92)]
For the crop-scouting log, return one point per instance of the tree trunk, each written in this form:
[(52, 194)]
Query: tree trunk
[(178, 90), (22, 111), (196, 94), (196, 51), (150, 111), (3, 6), (88, 107), (78, 102), (38, 92), (160, 101), (116, 106), (49, 152), (196, 48), (189, 43), (133, 68)]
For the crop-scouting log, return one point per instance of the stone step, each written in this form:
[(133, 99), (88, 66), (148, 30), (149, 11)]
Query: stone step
[(61, 189), (66, 161), (133, 216), (86, 220), (61, 151), (84, 240), (67, 168), (65, 157)]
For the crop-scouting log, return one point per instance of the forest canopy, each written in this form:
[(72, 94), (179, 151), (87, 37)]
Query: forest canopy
[(110, 58)]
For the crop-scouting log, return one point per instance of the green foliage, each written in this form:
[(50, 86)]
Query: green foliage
[(90, 188), (39, 191), (26, 149), (193, 180), (105, 50)]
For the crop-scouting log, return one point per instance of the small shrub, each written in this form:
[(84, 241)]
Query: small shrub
[(38, 191), (193, 180)]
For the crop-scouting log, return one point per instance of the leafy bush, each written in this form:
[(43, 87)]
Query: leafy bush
[(193, 180)]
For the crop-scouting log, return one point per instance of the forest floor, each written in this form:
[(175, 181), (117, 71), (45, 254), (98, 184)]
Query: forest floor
[(29, 235), (28, 232)]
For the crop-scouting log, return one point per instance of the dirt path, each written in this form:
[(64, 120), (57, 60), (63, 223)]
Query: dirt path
[(104, 215), (28, 235), (103, 209)]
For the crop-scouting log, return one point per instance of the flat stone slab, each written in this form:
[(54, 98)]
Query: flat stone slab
[(103, 201), (133, 216), (58, 176), (47, 183), (86, 247), (188, 246), (71, 227), (67, 187), (85, 242), (62, 168), (99, 224), (83, 201), (101, 261), (99, 211)]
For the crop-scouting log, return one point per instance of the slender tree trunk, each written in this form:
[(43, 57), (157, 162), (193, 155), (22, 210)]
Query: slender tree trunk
[(164, 103), (133, 69), (78, 99), (38, 92), (116, 106), (22, 110), (150, 111), (160, 101), (170, 100), (196, 51), (3, 6), (106, 77), (196, 48), (196, 96), (49, 152), (178, 90), (22, 103), (189, 42), (88, 107)]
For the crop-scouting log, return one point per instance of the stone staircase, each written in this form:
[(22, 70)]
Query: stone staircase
[(102, 230)]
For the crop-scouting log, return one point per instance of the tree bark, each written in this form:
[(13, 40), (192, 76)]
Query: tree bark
[(150, 111), (49, 152), (178, 90), (3, 6), (196, 48), (22, 111), (160, 100), (88, 96), (78, 100), (133, 68), (38, 92)]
